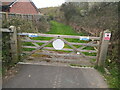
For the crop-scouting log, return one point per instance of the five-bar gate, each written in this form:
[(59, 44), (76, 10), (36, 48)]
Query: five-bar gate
[(80, 47), (76, 49)]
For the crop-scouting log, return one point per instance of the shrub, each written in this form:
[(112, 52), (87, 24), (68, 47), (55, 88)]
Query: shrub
[(25, 26)]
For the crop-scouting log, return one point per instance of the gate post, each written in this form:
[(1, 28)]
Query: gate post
[(13, 44), (19, 44), (103, 48)]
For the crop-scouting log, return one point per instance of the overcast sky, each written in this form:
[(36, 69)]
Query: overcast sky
[(48, 3)]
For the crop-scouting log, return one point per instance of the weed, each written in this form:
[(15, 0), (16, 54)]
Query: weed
[(93, 60), (89, 54), (75, 65), (100, 69)]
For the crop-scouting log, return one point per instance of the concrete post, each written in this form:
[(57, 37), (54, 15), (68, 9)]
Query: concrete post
[(14, 49), (104, 47)]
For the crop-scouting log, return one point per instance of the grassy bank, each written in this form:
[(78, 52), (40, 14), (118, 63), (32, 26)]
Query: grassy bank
[(59, 28), (111, 74)]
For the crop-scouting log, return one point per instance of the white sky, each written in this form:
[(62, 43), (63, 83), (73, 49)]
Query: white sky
[(47, 3)]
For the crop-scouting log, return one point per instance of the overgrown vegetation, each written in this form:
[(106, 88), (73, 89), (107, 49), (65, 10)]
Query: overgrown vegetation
[(95, 17), (54, 13), (23, 25), (112, 75), (41, 25), (7, 61)]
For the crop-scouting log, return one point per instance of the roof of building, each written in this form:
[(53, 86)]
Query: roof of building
[(4, 3), (12, 2)]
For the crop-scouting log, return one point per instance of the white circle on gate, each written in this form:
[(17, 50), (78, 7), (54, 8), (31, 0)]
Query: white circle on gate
[(58, 44)]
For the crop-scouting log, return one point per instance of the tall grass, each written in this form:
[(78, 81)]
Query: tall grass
[(59, 28)]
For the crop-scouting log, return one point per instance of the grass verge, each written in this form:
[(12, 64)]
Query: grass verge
[(111, 76), (78, 65)]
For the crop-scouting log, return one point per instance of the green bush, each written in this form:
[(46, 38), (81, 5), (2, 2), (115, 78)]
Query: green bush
[(25, 26), (43, 24), (6, 54)]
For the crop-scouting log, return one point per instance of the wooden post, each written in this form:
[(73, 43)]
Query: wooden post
[(15, 15), (22, 16), (104, 47), (33, 18), (6, 15), (99, 47), (14, 44), (19, 43), (27, 15)]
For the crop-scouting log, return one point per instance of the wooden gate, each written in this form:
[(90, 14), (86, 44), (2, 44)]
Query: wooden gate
[(77, 45)]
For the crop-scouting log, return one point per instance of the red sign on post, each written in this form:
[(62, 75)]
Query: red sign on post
[(107, 36)]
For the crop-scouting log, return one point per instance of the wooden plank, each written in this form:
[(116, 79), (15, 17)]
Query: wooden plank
[(99, 47), (42, 46), (62, 60), (73, 61), (65, 55), (85, 46), (32, 42), (2, 12), (39, 41), (64, 49), (29, 47), (74, 48), (35, 41), (63, 36), (6, 30), (95, 48), (51, 48)]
